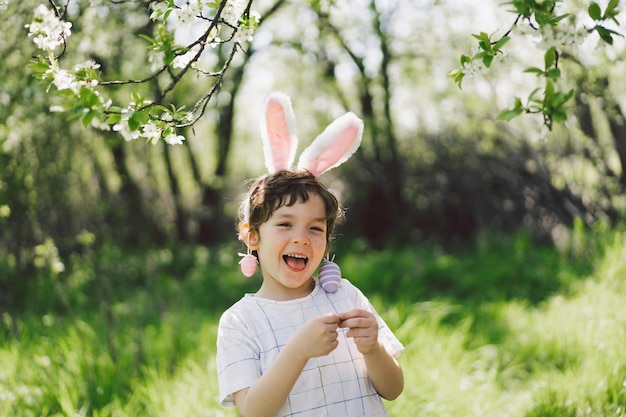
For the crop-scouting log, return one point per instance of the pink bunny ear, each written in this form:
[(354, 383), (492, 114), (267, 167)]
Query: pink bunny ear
[(333, 146), (278, 131)]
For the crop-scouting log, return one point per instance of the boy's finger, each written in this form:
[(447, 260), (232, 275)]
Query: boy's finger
[(330, 318), (354, 323), (352, 313)]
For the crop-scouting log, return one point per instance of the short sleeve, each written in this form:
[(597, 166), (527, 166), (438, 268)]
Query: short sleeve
[(237, 357)]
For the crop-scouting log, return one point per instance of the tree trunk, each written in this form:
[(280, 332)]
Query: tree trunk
[(618, 129), (181, 218), (129, 221)]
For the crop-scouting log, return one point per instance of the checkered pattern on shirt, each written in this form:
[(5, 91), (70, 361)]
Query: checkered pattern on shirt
[(253, 331)]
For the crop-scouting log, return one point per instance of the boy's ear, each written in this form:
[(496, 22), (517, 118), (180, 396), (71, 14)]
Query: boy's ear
[(251, 239)]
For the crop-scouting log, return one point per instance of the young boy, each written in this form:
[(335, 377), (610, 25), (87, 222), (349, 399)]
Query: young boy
[(292, 349)]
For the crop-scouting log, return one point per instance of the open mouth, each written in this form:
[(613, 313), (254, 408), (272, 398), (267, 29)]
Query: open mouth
[(295, 261)]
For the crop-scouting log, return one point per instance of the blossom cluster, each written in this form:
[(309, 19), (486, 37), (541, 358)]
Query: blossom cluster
[(473, 67), (47, 30), (155, 128), (140, 118), (64, 80), (551, 36)]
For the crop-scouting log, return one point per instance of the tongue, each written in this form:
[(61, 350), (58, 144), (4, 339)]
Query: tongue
[(295, 263)]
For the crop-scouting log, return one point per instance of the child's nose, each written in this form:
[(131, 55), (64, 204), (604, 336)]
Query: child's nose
[(301, 237)]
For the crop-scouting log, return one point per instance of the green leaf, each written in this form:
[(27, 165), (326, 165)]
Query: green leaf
[(38, 67), (534, 70), (487, 59), (501, 43), (137, 119), (161, 108), (113, 118), (147, 38), (168, 58), (88, 117), (557, 19), (457, 75), (549, 93), (509, 114), (482, 38), (611, 11), (554, 73), (136, 97), (67, 94), (88, 98), (549, 58), (532, 95), (594, 11), (560, 99), (605, 34), (76, 112)]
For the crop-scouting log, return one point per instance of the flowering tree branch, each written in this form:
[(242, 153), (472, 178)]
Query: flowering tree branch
[(557, 31), (85, 95)]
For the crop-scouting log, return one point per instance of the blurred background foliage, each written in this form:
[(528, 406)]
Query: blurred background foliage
[(492, 249), (434, 164)]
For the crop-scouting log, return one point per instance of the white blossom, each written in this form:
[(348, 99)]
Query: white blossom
[(63, 80), (47, 30), (158, 10), (181, 61), (125, 131), (233, 11), (244, 34), (89, 64), (474, 68), (99, 124), (553, 37), (156, 60), (174, 139), (151, 131), (187, 13)]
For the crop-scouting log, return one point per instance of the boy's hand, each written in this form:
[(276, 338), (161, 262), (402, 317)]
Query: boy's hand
[(317, 337), (363, 328)]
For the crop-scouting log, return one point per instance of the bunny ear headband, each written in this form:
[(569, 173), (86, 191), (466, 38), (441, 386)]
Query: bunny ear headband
[(331, 148)]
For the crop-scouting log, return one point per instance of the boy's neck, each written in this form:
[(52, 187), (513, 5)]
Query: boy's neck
[(285, 294)]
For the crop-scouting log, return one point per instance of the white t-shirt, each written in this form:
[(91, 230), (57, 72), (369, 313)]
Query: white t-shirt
[(253, 331)]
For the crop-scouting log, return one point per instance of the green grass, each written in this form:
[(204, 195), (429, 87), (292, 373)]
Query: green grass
[(502, 327)]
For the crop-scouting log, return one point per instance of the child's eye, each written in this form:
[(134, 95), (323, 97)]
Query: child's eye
[(284, 224), (317, 229)]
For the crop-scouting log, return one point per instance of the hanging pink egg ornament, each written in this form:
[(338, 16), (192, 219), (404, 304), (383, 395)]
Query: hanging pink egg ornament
[(248, 264), (330, 276)]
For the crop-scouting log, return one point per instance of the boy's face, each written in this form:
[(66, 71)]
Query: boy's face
[(290, 246)]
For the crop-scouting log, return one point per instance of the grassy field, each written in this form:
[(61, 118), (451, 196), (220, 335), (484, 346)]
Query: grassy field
[(501, 327)]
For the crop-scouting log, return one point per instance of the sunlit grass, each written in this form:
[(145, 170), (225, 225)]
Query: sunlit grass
[(503, 328)]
